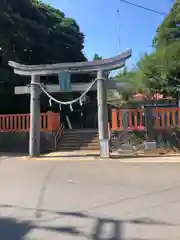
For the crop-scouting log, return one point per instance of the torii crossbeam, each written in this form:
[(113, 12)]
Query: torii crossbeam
[(99, 66)]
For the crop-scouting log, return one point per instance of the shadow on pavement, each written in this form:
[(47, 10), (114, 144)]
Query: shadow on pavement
[(10, 228)]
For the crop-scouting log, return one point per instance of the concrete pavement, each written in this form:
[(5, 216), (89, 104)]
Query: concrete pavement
[(73, 200), (95, 155)]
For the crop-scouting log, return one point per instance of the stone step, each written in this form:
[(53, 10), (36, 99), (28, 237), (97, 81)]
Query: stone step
[(81, 131), (79, 142), (65, 140), (79, 145), (90, 147), (80, 136), (84, 139), (80, 139), (80, 148)]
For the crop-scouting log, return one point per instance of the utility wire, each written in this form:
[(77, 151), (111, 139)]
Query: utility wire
[(144, 8), (118, 30)]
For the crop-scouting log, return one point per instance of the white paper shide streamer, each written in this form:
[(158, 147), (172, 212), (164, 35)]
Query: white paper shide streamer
[(79, 99)]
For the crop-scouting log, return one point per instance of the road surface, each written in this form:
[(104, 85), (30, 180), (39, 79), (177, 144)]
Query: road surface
[(89, 200)]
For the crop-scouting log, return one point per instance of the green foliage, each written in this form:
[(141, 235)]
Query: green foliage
[(35, 33), (97, 57), (131, 79), (160, 70), (169, 31), (132, 83), (151, 72)]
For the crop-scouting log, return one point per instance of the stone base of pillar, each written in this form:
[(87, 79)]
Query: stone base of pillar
[(104, 148)]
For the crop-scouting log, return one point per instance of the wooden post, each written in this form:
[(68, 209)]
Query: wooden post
[(114, 119), (149, 120)]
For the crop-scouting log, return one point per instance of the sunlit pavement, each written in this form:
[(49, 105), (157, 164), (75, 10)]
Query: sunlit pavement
[(83, 200)]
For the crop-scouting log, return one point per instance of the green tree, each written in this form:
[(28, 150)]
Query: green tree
[(97, 57), (131, 83), (169, 30), (131, 78), (160, 70), (35, 33)]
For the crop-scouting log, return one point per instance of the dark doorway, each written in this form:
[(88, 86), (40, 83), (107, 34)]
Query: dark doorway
[(84, 117)]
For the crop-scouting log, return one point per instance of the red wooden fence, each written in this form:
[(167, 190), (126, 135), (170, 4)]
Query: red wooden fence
[(135, 119), (162, 118), (21, 122)]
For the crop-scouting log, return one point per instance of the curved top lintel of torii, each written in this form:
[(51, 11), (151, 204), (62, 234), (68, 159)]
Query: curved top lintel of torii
[(108, 64)]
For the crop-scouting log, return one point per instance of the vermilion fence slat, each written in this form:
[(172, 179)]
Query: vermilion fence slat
[(162, 118), (21, 122)]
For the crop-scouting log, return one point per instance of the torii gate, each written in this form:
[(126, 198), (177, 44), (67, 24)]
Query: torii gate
[(98, 66)]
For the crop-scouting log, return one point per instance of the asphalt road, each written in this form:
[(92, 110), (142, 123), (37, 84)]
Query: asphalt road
[(89, 200)]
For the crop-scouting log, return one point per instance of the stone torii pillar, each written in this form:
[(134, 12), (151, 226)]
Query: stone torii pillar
[(99, 66), (34, 133), (102, 114)]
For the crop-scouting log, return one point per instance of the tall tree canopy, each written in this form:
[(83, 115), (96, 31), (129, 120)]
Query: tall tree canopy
[(160, 70), (169, 30), (32, 32), (167, 45), (35, 33)]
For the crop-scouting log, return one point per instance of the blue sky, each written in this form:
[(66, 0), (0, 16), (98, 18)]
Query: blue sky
[(99, 21)]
